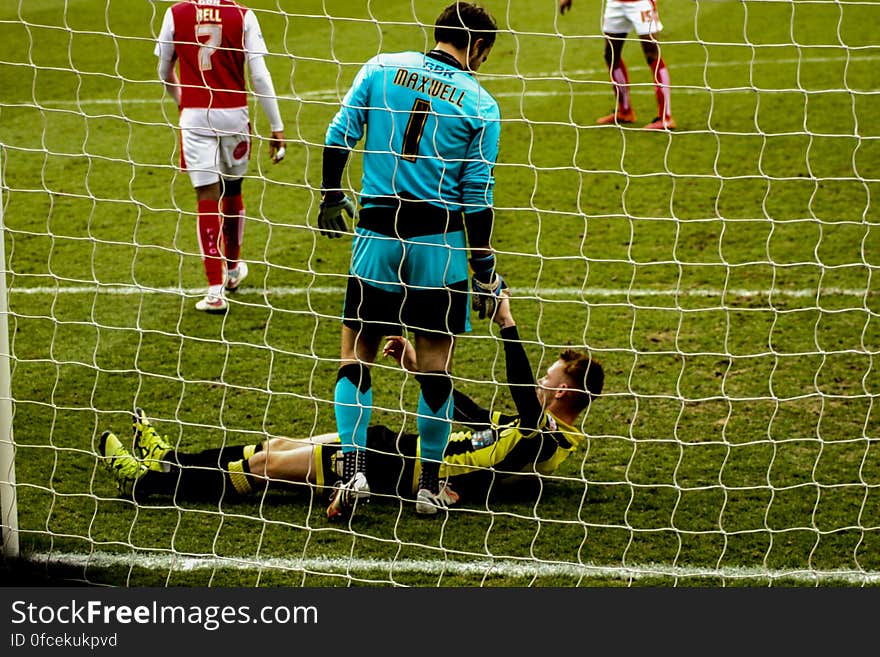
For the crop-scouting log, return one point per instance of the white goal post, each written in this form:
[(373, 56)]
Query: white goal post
[(8, 498)]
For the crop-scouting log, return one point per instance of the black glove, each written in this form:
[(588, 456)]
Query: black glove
[(486, 286), (330, 219)]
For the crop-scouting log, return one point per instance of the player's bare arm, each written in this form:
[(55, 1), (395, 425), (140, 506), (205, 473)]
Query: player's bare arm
[(403, 351)]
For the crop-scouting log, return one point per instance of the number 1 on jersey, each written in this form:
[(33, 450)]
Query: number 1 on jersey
[(414, 129)]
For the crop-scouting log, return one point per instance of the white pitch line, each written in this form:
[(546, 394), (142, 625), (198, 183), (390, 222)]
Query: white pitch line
[(558, 76), (571, 293), (478, 567)]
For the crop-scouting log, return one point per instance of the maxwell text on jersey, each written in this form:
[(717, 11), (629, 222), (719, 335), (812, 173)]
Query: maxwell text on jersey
[(428, 85)]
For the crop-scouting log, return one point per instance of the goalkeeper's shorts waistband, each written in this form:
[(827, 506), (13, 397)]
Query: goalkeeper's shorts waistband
[(406, 218)]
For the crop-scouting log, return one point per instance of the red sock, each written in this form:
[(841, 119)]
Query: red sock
[(233, 228), (620, 78), (661, 88), (209, 241)]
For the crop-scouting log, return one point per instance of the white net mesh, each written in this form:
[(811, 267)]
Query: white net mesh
[(723, 273)]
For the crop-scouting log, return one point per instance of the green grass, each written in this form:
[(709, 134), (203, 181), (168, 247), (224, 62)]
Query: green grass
[(724, 274)]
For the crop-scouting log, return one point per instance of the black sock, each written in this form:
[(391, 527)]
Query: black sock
[(429, 477)]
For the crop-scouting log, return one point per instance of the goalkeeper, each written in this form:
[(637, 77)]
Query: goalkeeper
[(493, 449), (431, 141)]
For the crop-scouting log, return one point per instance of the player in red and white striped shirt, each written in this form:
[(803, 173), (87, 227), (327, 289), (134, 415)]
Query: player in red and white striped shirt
[(620, 17), (203, 48)]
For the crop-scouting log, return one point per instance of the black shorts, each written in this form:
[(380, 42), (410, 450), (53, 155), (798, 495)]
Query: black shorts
[(377, 312), (417, 279)]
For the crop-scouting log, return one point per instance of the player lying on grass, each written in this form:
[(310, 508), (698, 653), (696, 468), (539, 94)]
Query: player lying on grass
[(494, 448)]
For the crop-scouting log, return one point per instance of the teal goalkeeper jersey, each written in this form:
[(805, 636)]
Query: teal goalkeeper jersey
[(432, 131)]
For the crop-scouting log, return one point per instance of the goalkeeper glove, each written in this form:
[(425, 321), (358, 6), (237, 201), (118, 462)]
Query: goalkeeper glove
[(330, 219), (486, 286)]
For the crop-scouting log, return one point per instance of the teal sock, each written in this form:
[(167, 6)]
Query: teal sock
[(435, 413), (354, 406)]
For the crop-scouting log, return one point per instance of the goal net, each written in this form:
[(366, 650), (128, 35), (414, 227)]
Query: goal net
[(724, 274)]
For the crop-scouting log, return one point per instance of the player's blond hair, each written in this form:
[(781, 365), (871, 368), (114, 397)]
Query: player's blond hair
[(587, 375)]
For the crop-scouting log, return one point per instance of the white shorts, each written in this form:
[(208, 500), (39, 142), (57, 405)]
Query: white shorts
[(214, 144), (623, 17)]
